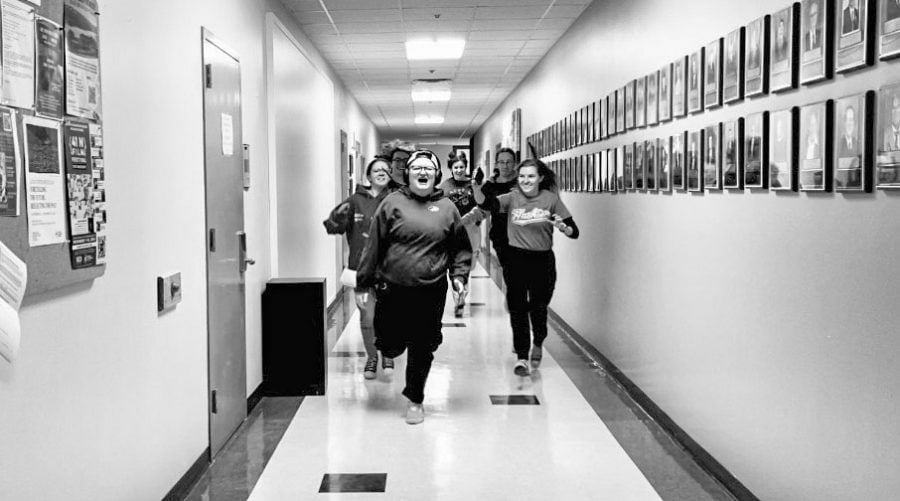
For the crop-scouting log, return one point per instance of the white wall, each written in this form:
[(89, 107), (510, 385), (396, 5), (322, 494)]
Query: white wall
[(764, 324), (107, 399)]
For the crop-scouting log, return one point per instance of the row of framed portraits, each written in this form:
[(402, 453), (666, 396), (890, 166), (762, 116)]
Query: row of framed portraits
[(804, 42), (823, 146)]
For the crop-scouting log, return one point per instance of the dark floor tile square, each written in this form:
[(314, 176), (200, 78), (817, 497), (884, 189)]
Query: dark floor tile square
[(477, 304), (353, 482), (452, 324), (480, 276), (348, 354), (514, 400)]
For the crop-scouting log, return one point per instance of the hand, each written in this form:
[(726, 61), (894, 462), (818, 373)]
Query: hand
[(361, 299), (560, 225), (479, 175), (458, 285)]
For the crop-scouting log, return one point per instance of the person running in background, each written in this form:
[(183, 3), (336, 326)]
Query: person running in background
[(416, 240), (534, 210), (352, 218), (501, 184), (459, 190), (399, 156)]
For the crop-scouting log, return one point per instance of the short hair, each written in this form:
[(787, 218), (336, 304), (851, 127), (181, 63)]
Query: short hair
[(507, 150), (402, 150)]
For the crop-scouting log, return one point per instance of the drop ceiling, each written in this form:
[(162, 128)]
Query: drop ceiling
[(363, 40)]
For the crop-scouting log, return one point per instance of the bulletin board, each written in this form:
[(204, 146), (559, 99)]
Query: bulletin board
[(53, 266)]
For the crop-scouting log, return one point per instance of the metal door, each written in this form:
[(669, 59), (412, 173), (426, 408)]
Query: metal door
[(225, 240)]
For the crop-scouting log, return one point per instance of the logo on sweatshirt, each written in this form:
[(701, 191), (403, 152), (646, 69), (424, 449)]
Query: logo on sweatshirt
[(433, 208), (536, 215)]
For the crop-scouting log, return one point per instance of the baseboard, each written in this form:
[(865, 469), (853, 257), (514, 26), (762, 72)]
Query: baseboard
[(703, 458), (184, 485), (254, 398)]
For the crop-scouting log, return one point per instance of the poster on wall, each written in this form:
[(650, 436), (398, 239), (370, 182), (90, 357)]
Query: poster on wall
[(13, 279), (48, 69), (18, 54), (98, 177), (10, 165), (82, 44), (45, 197), (79, 179)]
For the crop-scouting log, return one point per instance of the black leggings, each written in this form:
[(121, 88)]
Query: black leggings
[(530, 280), (409, 318)]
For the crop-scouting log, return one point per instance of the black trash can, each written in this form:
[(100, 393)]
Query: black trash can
[(295, 358)]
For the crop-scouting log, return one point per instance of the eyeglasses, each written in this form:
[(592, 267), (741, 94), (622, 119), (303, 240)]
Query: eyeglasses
[(422, 168), (506, 162)]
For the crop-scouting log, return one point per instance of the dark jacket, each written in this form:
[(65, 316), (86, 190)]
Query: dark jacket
[(492, 190), (353, 217), (415, 241)]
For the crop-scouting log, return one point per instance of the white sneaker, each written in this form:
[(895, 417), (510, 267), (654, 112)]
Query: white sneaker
[(415, 413), (536, 355), (521, 367)]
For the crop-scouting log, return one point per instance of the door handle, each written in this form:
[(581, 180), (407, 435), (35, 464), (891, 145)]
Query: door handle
[(243, 260)]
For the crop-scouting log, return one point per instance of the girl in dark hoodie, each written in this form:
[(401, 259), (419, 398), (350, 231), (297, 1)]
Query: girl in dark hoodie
[(416, 240), (352, 218)]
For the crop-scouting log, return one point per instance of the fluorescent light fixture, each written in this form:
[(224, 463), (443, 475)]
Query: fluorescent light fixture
[(429, 119), (423, 90), (434, 49)]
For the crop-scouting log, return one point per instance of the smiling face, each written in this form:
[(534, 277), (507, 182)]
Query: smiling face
[(380, 174), (529, 180), (459, 170), (421, 176)]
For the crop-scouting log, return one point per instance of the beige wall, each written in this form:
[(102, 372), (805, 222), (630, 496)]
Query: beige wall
[(764, 324), (107, 399)]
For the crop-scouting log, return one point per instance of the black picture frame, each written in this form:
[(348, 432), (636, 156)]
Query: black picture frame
[(712, 157), (695, 81), (650, 164), (783, 150), (611, 115), (854, 41), (733, 67), (814, 153), (756, 150), (853, 152), (665, 93), (653, 98), (712, 74), (694, 166), (679, 161), (640, 172), (887, 167), (611, 169), (620, 168), (756, 57), (784, 35), (628, 156), (679, 87), (640, 102), (664, 166), (733, 154), (889, 24), (620, 110), (816, 41)]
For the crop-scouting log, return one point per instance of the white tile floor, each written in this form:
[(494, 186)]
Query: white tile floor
[(467, 449)]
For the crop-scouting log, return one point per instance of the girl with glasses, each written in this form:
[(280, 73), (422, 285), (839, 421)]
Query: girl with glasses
[(416, 241), (352, 218)]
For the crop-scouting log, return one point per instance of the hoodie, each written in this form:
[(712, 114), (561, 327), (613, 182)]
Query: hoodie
[(353, 217)]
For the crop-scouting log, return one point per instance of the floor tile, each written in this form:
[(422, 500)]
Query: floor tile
[(353, 482), (514, 400)]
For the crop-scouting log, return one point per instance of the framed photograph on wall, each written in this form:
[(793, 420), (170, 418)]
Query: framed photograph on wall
[(611, 115), (784, 34), (733, 67), (640, 102), (815, 41), (782, 150), (650, 164), (854, 39), (652, 98), (756, 152), (620, 168), (695, 82), (815, 156), (611, 169), (629, 105), (756, 81), (576, 174), (640, 174), (665, 93), (572, 132), (890, 29), (576, 130), (732, 154), (888, 137), (853, 142), (694, 174), (712, 93), (603, 177), (598, 122), (587, 172), (679, 87), (678, 161), (592, 123), (620, 110), (663, 162), (628, 165), (712, 158)]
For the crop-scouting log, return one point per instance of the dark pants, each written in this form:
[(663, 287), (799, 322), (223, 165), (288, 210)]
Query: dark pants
[(409, 318), (530, 279), (503, 257)]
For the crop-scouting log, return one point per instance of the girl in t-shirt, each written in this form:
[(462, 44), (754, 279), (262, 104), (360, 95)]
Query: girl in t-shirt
[(458, 188), (534, 210)]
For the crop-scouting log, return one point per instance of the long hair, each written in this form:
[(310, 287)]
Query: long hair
[(549, 177)]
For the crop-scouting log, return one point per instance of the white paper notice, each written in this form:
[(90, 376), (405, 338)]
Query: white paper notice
[(13, 279), (18, 54), (46, 204), (227, 135)]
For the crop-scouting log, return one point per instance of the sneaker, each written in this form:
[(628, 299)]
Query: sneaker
[(387, 365), (415, 413), (370, 368), (458, 311), (521, 367), (537, 353)]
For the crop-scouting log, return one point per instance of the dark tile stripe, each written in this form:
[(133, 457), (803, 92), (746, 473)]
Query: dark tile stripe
[(347, 354), (353, 482), (452, 324), (515, 400)]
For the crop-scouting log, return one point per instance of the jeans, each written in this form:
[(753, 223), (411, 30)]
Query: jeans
[(530, 279)]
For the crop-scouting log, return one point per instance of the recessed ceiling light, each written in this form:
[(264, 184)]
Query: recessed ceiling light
[(434, 49), (429, 119), (425, 90)]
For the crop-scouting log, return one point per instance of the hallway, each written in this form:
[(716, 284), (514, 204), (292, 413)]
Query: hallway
[(488, 434)]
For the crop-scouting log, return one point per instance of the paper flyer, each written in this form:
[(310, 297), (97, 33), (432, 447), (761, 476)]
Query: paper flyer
[(45, 196), (82, 43), (98, 177), (48, 69), (10, 164), (18, 54), (79, 178), (13, 280)]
